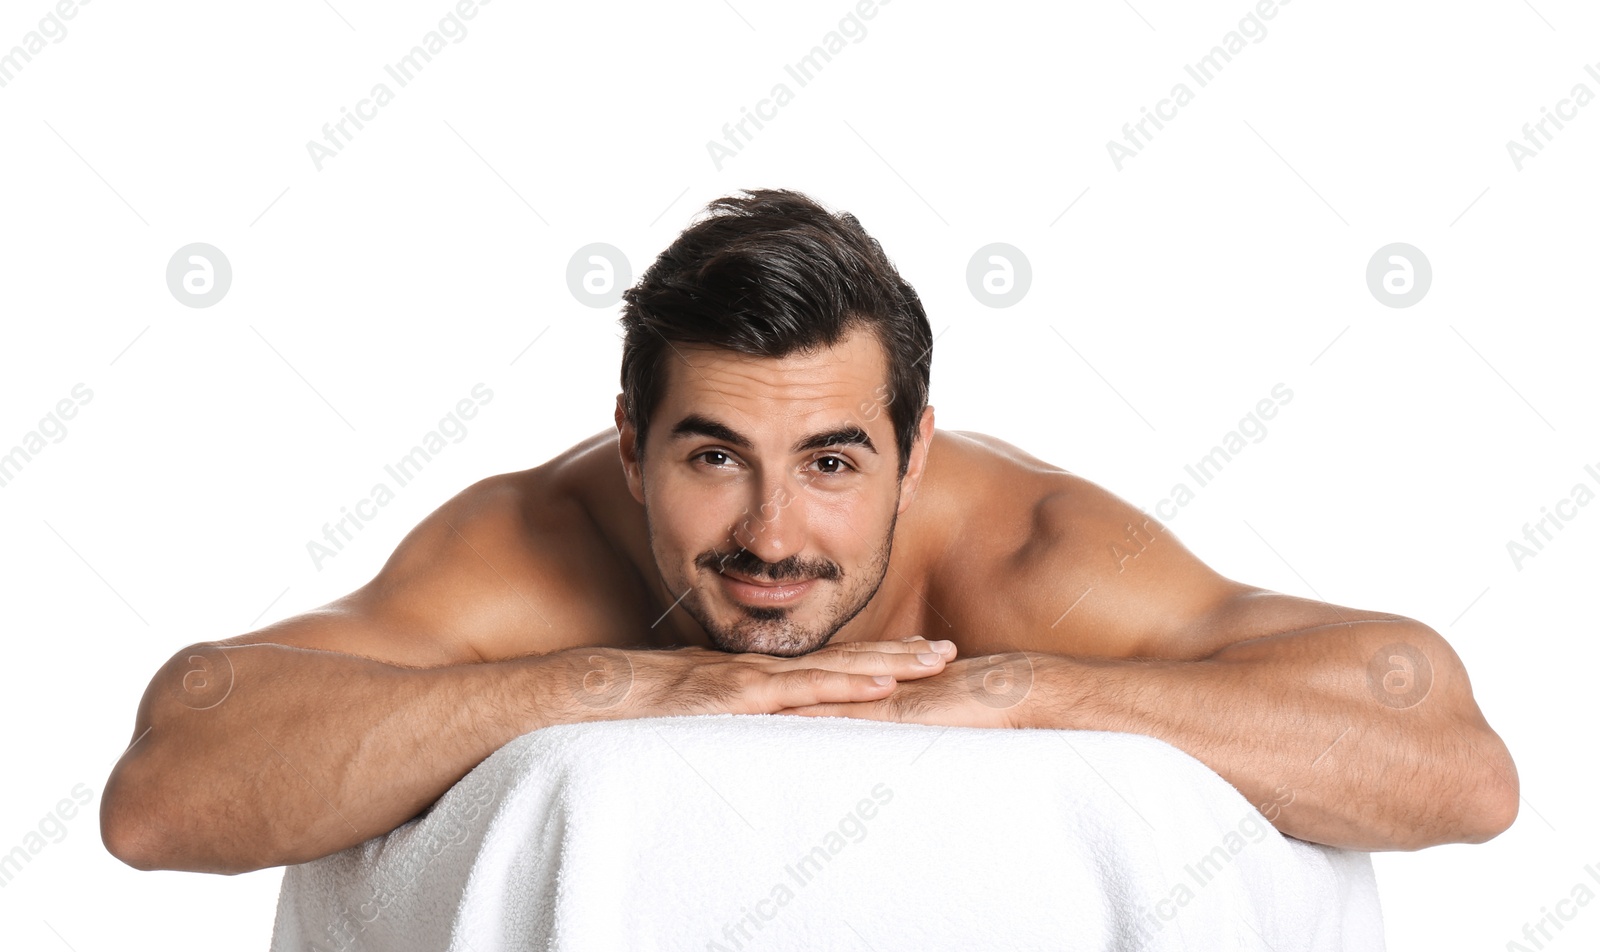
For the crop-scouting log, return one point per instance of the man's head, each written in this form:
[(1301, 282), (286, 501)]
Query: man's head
[(774, 418)]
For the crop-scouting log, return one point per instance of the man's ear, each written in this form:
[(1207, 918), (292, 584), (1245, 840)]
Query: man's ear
[(628, 449), (919, 460)]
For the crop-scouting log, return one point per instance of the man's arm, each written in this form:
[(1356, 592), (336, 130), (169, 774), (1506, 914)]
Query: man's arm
[(310, 752), (306, 752), (1359, 734), (322, 731), (1345, 727)]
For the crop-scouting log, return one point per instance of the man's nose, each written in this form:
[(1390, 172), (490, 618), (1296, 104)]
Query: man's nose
[(773, 526)]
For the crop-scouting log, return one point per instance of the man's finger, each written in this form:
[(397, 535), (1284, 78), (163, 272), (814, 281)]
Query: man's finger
[(908, 643), (874, 712), (907, 665), (807, 686)]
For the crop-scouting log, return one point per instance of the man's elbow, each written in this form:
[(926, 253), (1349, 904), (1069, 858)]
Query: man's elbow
[(128, 828), (146, 847), (124, 836), (1484, 788), (1491, 802), (1497, 804), (135, 832)]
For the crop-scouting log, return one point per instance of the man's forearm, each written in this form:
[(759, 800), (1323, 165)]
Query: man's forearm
[(304, 752), (1331, 746)]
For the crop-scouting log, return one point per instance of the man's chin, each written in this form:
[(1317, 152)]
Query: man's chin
[(765, 637)]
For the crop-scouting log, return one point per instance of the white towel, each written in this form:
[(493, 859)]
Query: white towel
[(737, 832)]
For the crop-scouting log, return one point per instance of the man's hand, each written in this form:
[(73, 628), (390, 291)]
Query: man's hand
[(616, 683), (972, 692)]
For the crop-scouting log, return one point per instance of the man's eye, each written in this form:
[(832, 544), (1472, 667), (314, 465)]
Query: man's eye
[(830, 465)]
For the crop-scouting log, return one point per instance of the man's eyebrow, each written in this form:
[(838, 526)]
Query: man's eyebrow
[(850, 435), (697, 425)]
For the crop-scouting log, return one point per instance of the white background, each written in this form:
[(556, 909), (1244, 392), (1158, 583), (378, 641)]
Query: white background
[(1167, 299)]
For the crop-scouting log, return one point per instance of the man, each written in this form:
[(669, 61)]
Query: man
[(776, 527)]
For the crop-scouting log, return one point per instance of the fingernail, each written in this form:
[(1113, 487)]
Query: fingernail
[(882, 679), (928, 657), (943, 645)]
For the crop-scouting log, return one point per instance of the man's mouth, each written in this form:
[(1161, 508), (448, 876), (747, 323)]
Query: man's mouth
[(756, 592)]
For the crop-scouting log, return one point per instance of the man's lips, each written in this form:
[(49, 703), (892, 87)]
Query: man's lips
[(751, 592)]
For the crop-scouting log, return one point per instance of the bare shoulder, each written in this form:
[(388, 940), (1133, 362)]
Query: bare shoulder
[(518, 564), (511, 565), (1042, 559), (1048, 560), (981, 447)]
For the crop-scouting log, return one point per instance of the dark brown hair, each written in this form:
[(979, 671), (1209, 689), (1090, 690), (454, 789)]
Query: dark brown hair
[(768, 274)]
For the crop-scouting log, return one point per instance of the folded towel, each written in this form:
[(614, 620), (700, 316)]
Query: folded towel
[(734, 832)]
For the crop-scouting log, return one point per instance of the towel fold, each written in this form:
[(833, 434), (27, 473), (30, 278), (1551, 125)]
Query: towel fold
[(739, 832)]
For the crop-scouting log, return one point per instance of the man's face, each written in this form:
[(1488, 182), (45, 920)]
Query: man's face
[(771, 491)]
